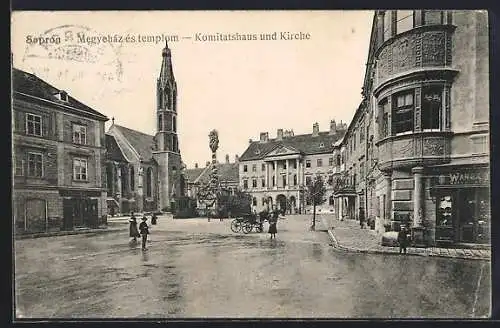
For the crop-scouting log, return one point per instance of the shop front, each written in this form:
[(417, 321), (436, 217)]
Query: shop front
[(462, 200), (80, 209)]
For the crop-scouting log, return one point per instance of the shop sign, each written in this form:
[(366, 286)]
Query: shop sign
[(465, 178), (79, 193)]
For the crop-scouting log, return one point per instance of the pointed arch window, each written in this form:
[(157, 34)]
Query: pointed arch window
[(174, 100), (123, 180), (166, 101), (174, 124), (149, 182), (160, 122), (132, 179)]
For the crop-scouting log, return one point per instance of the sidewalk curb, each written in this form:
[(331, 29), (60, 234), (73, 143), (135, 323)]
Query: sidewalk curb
[(338, 246), (64, 233)]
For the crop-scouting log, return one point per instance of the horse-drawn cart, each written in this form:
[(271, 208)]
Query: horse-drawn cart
[(249, 222)]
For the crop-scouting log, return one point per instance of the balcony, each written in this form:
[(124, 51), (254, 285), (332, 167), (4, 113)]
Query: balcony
[(415, 149)]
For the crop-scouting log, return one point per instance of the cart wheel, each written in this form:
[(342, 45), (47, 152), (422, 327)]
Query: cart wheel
[(235, 226), (247, 227)]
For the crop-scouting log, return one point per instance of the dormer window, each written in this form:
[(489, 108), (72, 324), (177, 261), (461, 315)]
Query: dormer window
[(321, 145), (257, 151), (62, 96)]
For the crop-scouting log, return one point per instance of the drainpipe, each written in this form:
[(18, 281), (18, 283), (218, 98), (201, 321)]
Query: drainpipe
[(46, 217)]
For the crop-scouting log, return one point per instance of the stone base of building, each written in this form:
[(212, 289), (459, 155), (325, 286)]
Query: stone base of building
[(52, 210)]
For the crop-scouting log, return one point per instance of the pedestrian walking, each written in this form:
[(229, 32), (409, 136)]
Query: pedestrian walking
[(154, 218), (403, 240), (362, 218), (133, 232), (144, 230), (272, 224)]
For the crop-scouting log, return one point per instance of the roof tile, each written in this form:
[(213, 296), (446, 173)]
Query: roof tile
[(305, 143), (32, 85), (141, 142)]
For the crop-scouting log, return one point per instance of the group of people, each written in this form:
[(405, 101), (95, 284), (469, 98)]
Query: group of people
[(143, 230)]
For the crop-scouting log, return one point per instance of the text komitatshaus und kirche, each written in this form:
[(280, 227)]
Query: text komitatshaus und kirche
[(221, 37)]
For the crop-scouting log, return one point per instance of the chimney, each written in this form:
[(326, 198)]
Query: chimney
[(227, 159), (195, 165), (264, 137), (315, 130), (333, 127), (279, 134), (236, 158)]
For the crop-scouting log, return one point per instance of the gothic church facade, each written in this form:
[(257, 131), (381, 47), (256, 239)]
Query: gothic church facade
[(144, 172)]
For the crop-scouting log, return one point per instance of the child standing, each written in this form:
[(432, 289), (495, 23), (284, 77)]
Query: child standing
[(144, 229)]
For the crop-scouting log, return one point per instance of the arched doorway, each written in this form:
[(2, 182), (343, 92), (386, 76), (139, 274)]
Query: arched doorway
[(293, 205), (281, 203)]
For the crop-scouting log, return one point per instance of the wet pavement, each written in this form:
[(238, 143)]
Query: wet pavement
[(195, 268), (347, 235)]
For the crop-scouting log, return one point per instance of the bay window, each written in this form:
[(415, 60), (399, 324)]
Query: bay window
[(431, 107), (432, 17), (399, 21), (404, 21), (402, 112), (384, 114), (387, 25)]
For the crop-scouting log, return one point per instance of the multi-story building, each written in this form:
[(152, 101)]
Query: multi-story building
[(426, 117), (276, 171), (58, 158), (144, 172)]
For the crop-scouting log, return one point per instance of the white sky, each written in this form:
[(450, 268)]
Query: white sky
[(240, 88)]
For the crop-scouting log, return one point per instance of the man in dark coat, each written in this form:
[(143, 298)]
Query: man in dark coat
[(144, 229), (403, 240)]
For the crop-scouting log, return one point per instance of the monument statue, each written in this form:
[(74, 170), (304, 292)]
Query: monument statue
[(214, 141)]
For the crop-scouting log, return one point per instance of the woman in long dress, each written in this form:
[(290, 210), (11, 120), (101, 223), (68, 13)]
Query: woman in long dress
[(272, 224), (133, 231)]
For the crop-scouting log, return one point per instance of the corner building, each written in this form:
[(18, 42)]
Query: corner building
[(58, 156), (426, 105)]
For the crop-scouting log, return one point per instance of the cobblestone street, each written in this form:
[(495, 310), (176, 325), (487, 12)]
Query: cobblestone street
[(196, 268)]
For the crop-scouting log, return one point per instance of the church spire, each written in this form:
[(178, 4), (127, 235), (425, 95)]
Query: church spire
[(166, 73)]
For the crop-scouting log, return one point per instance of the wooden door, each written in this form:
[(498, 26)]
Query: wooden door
[(68, 213), (36, 215)]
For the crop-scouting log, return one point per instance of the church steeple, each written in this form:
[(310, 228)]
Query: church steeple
[(166, 73), (166, 110), (166, 151)]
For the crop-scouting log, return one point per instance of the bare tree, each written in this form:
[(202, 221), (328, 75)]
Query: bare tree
[(316, 195)]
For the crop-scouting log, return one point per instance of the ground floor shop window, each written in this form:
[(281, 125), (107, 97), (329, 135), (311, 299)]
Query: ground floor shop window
[(463, 215)]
